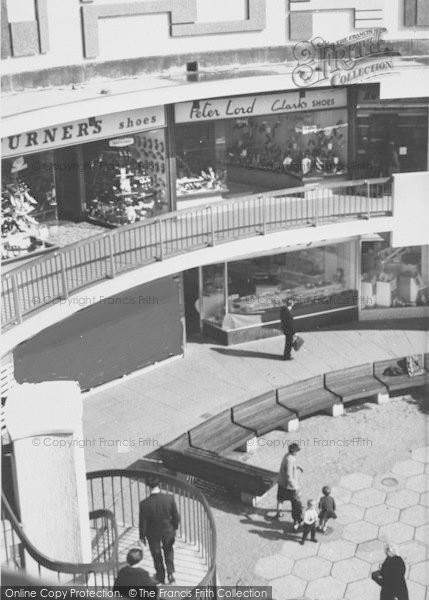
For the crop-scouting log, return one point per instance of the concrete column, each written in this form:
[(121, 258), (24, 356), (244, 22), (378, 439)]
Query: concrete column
[(44, 421), (337, 410), (293, 425)]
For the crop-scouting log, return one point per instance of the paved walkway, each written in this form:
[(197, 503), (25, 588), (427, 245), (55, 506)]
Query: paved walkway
[(130, 419)]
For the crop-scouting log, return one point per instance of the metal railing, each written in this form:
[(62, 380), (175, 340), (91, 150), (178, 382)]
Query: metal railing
[(43, 281), (117, 494)]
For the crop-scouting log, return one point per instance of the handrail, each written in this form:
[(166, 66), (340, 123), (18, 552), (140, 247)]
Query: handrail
[(63, 566), (83, 571), (31, 287)]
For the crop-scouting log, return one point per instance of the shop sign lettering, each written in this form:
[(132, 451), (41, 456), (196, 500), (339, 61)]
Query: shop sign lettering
[(246, 106), (83, 131)]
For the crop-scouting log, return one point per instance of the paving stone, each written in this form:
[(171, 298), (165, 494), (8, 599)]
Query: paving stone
[(356, 481), (403, 498), (372, 551), (413, 552), (337, 550), (421, 454), (415, 515), (349, 513), (407, 468), (368, 497), (424, 499), (341, 495), (293, 550), (417, 591), (396, 533), (419, 483), (288, 588), (325, 588), (419, 573), (311, 568), (388, 482), (351, 569), (274, 566), (359, 532), (382, 514), (365, 589), (422, 534)]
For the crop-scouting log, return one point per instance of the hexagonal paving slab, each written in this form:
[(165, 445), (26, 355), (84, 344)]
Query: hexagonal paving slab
[(326, 588), (337, 550), (368, 497), (372, 551), (388, 482), (402, 498), (413, 552), (271, 567), (293, 550), (422, 534), (341, 495), (407, 468), (417, 591), (351, 569), (361, 531), (312, 568), (418, 483), (356, 481), (365, 589), (349, 513), (382, 514), (288, 588), (415, 516), (420, 573), (396, 533), (421, 454)]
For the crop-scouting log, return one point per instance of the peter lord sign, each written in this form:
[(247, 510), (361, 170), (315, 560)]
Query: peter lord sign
[(356, 58)]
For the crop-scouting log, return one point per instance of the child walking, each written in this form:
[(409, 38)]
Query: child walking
[(327, 508), (310, 520)]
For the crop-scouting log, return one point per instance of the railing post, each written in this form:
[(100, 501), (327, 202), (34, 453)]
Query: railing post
[(63, 276), (16, 299), (212, 232), (161, 240), (263, 210), (315, 207), (368, 199), (112, 255)]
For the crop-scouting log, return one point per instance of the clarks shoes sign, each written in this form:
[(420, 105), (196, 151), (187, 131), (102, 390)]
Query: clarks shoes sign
[(87, 130), (248, 106)]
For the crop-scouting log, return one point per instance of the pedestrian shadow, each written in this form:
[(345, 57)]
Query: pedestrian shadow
[(247, 353), (271, 528)]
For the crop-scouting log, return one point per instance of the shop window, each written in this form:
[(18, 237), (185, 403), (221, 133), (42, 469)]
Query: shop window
[(126, 178), (393, 277), (28, 201), (223, 157)]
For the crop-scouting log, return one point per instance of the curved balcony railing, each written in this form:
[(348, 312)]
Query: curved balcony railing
[(117, 494), (56, 276)]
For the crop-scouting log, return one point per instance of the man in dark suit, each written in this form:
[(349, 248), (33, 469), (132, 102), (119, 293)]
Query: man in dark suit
[(132, 576), (288, 327), (158, 522)]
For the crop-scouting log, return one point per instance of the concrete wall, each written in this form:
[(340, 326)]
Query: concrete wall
[(208, 27), (411, 209)]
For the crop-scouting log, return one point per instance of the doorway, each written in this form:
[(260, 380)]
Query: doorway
[(191, 296)]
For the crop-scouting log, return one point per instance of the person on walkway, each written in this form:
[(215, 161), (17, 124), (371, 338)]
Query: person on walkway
[(310, 520), (287, 327), (327, 508), (393, 585), (132, 575), (288, 487), (158, 522)]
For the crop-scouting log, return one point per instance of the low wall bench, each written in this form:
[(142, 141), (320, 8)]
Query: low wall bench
[(355, 383), (402, 381)]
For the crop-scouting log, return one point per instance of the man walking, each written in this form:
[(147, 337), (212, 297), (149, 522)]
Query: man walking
[(288, 327), (158, 522), (288, 487)]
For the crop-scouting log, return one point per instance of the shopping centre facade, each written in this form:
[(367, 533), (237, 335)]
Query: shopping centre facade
[(118, 115)]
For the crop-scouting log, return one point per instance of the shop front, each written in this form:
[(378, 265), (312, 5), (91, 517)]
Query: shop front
[(109, 170), (250, 144), (241, 300)]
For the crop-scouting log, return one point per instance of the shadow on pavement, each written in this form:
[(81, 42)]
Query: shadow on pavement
[(247, 353)]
